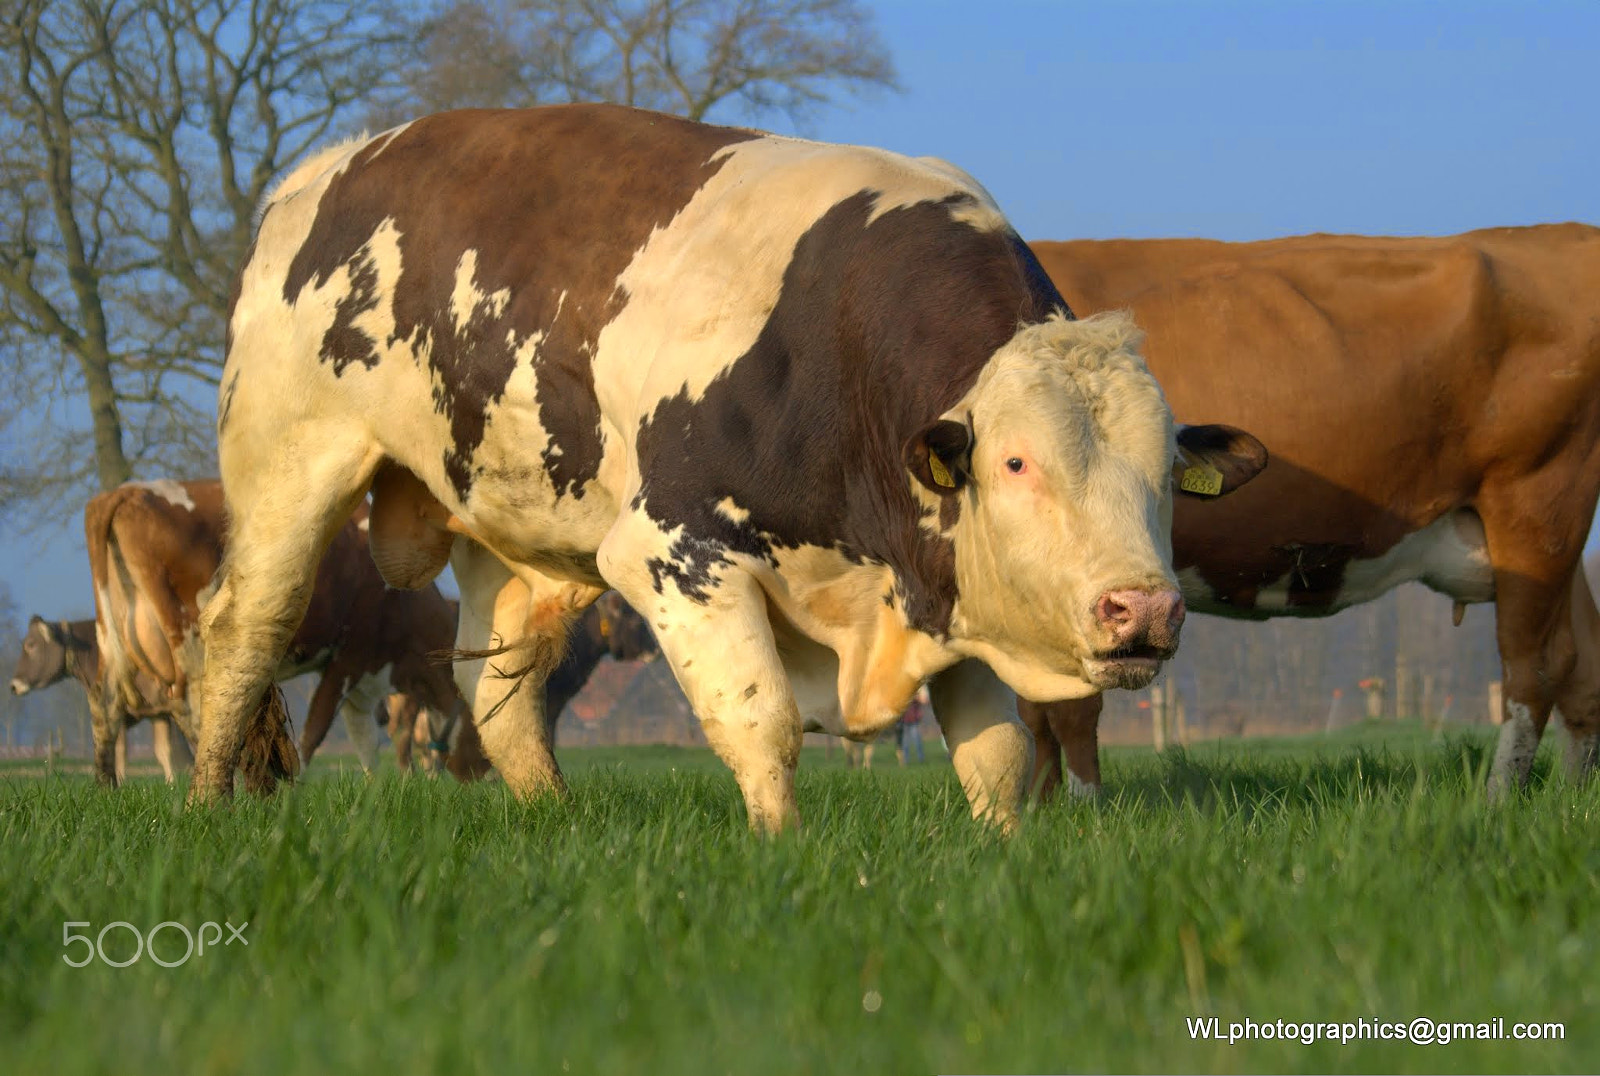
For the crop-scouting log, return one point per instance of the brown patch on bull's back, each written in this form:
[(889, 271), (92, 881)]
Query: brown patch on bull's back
[(554, 202)]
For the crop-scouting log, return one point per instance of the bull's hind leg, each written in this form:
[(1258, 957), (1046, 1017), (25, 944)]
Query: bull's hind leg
[(287, 497), (722, 651), (525, 616), (991, 749)]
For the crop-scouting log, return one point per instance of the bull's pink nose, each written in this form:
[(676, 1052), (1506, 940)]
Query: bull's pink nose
[(1135, 617)]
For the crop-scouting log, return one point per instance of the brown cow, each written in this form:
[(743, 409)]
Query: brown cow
[(153, 549), (52, 651), (1433, 407)]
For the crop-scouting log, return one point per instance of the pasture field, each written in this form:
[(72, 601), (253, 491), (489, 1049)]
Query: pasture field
[(403, 925)]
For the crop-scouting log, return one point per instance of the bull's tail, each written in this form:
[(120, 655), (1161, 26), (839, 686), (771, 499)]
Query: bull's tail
[(98, 516), (269, 755)]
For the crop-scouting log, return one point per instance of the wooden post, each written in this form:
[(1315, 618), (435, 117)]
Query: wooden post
[(1497, 714), (1374, 687), (1158, 717), (1180, 716), (1405, 703), (1333, 710)]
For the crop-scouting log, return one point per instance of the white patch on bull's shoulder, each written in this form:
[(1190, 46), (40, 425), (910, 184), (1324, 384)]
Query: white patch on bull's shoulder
[(363, 524), (172, 492), (466, 301), (702, 286), (1513, 756), (732, 512)]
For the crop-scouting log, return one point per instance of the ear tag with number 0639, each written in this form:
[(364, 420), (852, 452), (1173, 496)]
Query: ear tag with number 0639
[(1202, 478)]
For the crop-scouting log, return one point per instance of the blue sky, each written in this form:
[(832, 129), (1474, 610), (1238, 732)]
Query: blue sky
[(1230, 120)]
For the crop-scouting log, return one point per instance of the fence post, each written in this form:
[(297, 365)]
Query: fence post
[(1158, 716), (1497, 715)]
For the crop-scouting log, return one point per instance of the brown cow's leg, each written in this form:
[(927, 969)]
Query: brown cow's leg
[(1076, 724), (528, 616), (1046, 749), (466, 761), (1578, 697), (321, 709), (1534, 536), (161, 737), (121, 753), (402, 720), (1530, 669)]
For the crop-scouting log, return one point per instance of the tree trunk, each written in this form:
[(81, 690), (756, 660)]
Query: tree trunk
[(111, 464)]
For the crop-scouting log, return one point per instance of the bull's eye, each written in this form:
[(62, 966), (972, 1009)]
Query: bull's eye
[(1015, 465)]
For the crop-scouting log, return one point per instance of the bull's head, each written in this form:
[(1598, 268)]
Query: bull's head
[(1054, 479)]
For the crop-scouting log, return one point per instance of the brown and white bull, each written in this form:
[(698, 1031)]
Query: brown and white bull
[(154, 548), (55, 650), (1433, 407), (814, 410)]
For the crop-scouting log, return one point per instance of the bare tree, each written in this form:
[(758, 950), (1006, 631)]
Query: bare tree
[(689, 57), (136, 139)]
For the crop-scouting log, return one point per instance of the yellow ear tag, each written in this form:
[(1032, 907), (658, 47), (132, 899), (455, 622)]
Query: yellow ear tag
[(941, 473), (1202, 478)]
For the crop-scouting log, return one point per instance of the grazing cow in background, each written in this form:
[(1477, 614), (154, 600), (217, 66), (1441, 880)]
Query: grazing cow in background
[(153, 550), (608, 627), (55, 650), (409, 723), (814, 410), (1433, 407)]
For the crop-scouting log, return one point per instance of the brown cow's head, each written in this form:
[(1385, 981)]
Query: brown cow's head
[(45, 656)]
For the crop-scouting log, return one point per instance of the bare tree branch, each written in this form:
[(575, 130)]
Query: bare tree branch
[(746, 58), (136, 139)]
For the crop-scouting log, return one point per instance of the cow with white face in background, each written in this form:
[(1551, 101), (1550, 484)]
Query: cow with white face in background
[(813, 410)]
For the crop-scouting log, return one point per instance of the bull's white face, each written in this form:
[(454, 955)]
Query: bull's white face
[(1068, 501)]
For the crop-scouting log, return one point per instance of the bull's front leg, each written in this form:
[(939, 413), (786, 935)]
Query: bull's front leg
[(991, 749), (719, 642)]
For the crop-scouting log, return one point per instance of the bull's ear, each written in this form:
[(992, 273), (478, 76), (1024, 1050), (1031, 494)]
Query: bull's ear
[(1213, 460), (42, 628), (941, 456)]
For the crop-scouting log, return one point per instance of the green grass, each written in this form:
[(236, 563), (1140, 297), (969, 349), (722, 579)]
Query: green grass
[(414, 926)]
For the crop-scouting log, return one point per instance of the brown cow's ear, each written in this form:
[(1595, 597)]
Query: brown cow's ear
[(1213, 460), (941, 456)]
